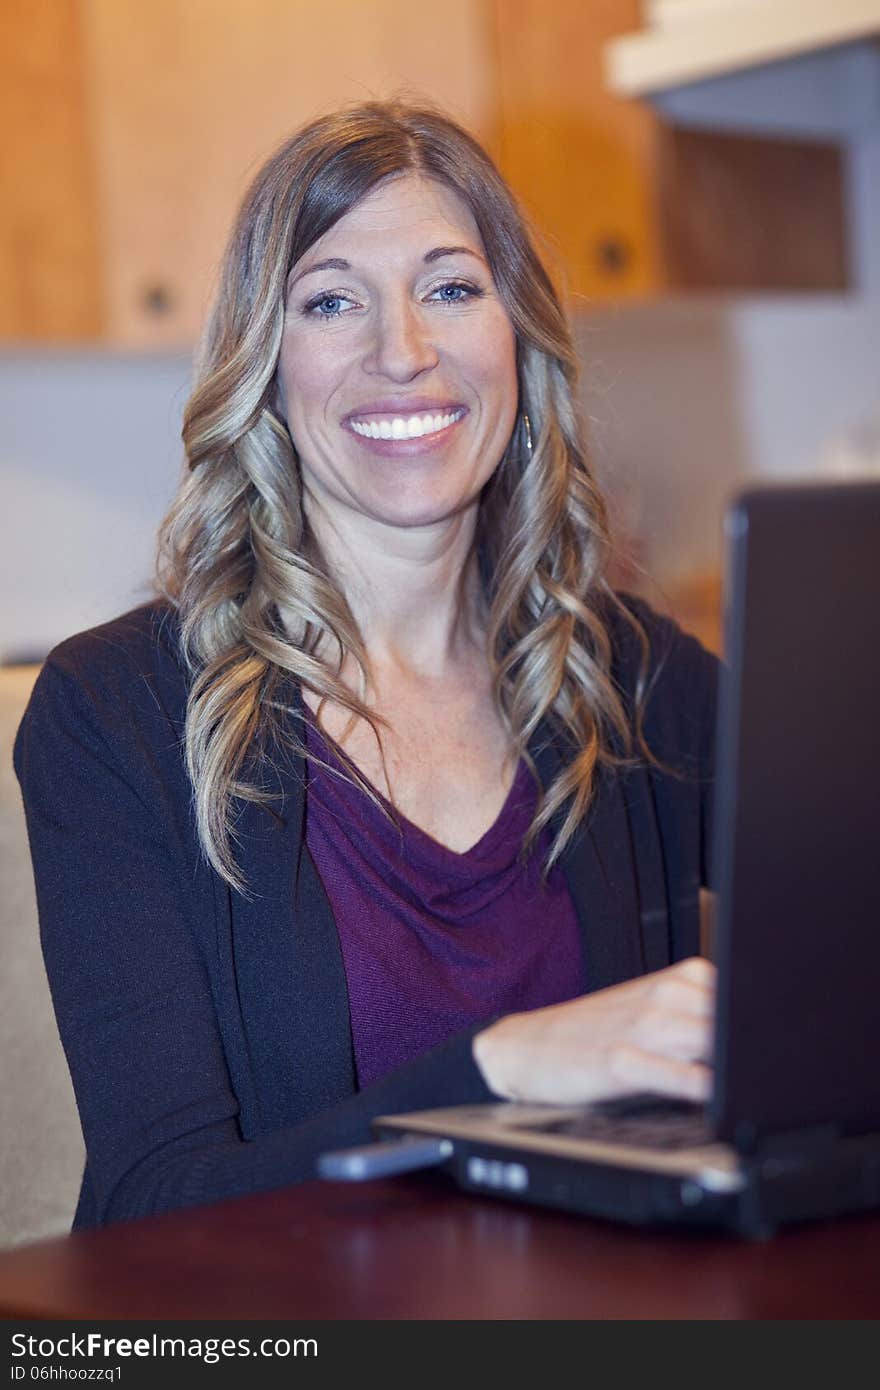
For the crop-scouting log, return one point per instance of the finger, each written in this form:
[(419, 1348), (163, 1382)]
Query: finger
[(636, 1069), (696, 970), (668, 1033), (691, 985), (683, 996)]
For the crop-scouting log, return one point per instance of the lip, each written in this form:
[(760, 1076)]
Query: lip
[(403, 405)]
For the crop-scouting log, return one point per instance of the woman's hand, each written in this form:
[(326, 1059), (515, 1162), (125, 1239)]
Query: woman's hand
[(653, 1033)]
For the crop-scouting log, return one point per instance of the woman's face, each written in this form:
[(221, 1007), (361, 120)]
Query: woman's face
[(398, 360)]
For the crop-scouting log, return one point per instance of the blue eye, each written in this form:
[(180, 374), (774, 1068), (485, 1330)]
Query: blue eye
[(328, 306), (456, 292)]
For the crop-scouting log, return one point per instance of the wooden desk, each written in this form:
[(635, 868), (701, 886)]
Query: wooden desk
[(413, 1248)]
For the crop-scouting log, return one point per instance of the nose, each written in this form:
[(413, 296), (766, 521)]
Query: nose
[(402, 346)]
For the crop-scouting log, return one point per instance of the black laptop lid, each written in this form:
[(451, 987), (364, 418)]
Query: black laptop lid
[(797, 824)]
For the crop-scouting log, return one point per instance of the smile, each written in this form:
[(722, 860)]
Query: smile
[(405, 427)]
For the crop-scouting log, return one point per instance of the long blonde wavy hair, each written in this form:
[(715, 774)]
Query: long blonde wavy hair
[(258, 610)]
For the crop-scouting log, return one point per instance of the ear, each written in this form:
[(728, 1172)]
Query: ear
[(275, 397)]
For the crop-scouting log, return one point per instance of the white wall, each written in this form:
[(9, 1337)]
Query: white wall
[(663, 397), (89, 455), (811, 367)]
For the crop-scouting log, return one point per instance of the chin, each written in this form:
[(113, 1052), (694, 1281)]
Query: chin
[(409, 512)]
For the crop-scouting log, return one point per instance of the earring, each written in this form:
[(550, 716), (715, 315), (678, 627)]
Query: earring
[(527, 426)]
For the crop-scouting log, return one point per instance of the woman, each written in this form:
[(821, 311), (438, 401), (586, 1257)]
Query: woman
[(388, 801)]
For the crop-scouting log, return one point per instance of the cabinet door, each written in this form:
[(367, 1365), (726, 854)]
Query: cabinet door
[(579, 158), (49, 281), (189, 96)]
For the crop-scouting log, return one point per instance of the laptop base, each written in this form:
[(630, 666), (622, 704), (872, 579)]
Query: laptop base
[(751, 1198)]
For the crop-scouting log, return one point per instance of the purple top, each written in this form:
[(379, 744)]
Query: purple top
[(432, 940)]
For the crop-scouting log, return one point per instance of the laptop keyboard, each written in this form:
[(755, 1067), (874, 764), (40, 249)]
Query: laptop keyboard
[(648, 1122)]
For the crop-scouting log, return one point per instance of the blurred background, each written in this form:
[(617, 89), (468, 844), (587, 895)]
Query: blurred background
[(703, 176)]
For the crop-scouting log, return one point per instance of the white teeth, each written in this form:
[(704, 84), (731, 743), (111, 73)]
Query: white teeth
[(412, 428)]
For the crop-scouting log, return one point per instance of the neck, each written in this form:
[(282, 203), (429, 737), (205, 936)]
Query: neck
[(414, 592)]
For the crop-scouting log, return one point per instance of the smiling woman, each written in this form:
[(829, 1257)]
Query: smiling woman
[(387, 801)]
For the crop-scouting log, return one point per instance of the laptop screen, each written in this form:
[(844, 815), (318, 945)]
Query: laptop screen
[(797, 820)]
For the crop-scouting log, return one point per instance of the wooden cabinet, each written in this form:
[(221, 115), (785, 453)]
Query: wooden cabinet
[(632, 206), (577, 157), (132, 128), (49, 268)]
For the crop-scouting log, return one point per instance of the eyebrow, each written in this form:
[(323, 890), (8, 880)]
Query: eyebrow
[(439, 251), (436, 254)]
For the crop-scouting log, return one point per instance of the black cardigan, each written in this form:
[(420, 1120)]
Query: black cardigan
[(208, 1034)]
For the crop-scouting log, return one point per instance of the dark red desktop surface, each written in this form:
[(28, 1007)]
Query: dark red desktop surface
[(415, 1248)]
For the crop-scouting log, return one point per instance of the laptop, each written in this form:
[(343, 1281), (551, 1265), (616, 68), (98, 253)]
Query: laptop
[(792, 1130)]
